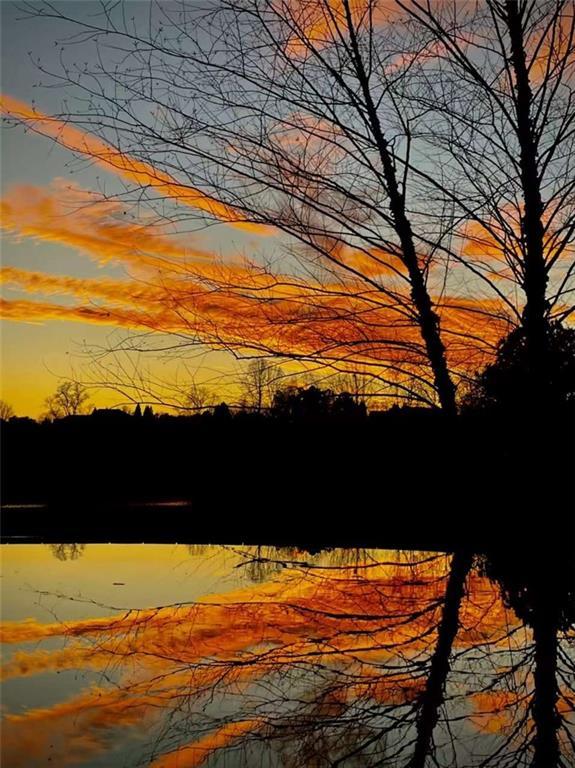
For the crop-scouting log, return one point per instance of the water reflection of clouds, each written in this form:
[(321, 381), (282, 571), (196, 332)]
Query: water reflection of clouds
[(340, 658)]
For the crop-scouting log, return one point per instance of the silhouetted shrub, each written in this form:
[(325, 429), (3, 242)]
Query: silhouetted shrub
[(505, 383)]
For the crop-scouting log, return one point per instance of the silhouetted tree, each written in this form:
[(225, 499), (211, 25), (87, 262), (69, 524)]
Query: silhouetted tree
[(258, 382), (504, 382), (302, 403), (433, 695), (197, 398), (316, 144), (67, 551), (357, 383), (348, 407), (315, 404), (6, 411), (499, 107), (70, 399), (114, 417), (221, 412)]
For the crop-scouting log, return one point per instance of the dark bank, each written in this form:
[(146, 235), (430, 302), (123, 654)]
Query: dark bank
[(314, 479)]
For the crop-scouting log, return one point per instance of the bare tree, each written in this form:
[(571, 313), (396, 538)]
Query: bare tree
[(69, 399), (258, 382), (356, 383), (197, 398), (6, 411), (500, 106)]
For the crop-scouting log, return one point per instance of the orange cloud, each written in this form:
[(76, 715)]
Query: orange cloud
[(124, 165), (40, 312), (347, 329), (500, 711), (495, 711), (195, 754), (341, 317), (69, 215), (236, 309), (74, 217), (287, 612), (318, 24), (122, 291), (553, 48), (24, 664)]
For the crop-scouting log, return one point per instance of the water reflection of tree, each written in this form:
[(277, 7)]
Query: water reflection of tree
[(67, 551), (542, 594), (345, 660)]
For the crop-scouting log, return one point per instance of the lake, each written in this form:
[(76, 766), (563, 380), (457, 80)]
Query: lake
[(175, 656)]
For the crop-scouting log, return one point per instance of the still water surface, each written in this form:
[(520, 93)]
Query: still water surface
[(177, 656)]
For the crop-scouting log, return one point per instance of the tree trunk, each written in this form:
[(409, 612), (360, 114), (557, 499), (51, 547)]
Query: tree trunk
[(433, 696), (429, 323), (544, 708), (535, 274)]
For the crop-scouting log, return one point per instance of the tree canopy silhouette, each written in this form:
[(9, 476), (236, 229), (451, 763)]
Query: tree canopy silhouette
[(315, 404), (70, 399), (503, 383)]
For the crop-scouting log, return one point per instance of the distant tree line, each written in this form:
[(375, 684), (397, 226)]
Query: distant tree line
[(500, 386)]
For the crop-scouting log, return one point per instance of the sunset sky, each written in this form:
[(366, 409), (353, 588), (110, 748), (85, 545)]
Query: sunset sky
[(88, 261), (41, 184)]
